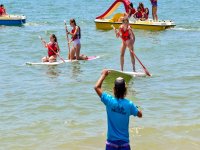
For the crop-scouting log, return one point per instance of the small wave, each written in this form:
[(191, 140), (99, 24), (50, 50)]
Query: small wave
[(32, 24), (186, 29)]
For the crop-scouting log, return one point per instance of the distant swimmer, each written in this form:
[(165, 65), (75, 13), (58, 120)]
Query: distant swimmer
[(76, 36), (119, 109), (53, 49), (128, 40), (2, 10), (154, 9)]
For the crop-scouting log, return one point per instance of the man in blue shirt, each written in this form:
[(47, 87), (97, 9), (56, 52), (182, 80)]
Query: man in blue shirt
[(118, 110)]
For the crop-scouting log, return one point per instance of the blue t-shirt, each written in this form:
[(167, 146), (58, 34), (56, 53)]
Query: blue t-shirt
[(118, 112)]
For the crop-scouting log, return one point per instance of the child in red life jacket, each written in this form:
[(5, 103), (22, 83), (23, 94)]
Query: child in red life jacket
[(53, 49), (139, 13), (2, 10), (145, 15), (132, 11), (128, 40)]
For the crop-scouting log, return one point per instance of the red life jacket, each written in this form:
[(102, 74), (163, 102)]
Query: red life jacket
[(78, 34), (139, 14), (133, 11), (146, 16), (1, 11), (125, 34), (52, 49)]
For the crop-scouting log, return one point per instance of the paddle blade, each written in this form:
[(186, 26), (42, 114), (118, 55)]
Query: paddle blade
[(145, 70)]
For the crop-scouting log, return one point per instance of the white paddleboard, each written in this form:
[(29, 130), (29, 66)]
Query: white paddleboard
[(61, 62), (129, 73)]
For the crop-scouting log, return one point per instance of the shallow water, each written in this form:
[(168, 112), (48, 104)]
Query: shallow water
[(56, 107)]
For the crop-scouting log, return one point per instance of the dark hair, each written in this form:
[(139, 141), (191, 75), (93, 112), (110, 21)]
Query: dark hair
[(120, 92), (120, 88), (1, 5), (141, 5), (131, 5), (73, 21), (54, 36)]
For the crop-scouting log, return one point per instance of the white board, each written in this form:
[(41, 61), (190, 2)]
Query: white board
[(129, 73), (50, 64), (60, 62)]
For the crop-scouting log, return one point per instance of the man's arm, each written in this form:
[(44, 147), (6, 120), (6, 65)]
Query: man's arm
[(98, 85)]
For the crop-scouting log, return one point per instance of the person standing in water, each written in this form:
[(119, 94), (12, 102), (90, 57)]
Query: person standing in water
[(119, 109), (154, 9), (76, 36), (53, 49), (128, 40)]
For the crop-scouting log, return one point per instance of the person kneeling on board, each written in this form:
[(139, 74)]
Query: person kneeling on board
[(119, 111), (128, 40), (2, 10), (53, 49), (76, 36)]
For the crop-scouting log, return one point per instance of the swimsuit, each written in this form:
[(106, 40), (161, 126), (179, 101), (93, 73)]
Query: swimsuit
[(76, 38), (125, 34)]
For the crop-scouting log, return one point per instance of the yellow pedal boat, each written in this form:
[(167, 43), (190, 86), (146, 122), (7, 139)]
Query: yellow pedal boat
[(102, 22)]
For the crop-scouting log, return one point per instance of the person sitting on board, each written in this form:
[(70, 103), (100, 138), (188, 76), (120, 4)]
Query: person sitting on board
[(139, 13), (154, 10), (76, 36), (145, 15), (128, 40), (119, 109), (53, 49), (2, 10), (132, 11)]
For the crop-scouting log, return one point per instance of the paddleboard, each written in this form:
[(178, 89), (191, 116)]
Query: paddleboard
[(128, 73), (60, 62), (89, 59)]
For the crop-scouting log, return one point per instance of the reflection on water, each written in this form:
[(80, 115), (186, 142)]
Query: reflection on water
[(53, 71), (75, 70)]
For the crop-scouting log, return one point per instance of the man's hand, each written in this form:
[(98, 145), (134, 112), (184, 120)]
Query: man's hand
[(105, 72), (97, 87)]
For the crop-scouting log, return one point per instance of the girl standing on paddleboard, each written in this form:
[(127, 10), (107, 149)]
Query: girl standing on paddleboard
[(128, 40), (53, 49), (76, 36)]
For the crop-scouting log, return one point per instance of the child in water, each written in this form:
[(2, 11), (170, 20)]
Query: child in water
[(53, 49), (118, 110)]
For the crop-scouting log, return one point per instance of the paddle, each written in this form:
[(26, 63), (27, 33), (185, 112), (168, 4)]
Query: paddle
[(145, 70), (67, 39), (51, 49)]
